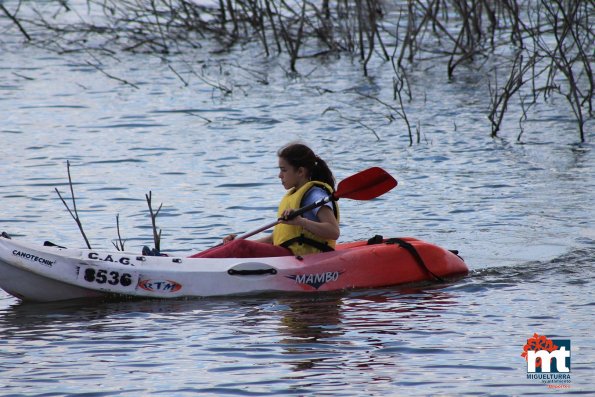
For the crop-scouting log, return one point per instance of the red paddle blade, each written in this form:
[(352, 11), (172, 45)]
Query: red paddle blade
[(365, 185)]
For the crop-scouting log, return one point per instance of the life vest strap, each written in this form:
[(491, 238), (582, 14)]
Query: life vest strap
[(301, 239)]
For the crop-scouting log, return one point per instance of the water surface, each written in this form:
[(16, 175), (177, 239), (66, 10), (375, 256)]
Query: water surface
[(520, 214)]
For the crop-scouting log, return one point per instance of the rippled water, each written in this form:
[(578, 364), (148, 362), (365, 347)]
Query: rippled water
[(521, 215)]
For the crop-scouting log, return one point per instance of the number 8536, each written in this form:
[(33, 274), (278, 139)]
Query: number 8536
[(102, 276)]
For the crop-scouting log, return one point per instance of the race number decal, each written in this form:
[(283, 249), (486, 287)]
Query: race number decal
[(110, 280)]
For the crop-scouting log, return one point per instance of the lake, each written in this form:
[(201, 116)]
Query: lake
[(521, 214)]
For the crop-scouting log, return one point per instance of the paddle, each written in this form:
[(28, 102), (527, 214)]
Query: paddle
[(364, 185)]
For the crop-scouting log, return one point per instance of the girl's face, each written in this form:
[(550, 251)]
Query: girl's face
[(291, 176)]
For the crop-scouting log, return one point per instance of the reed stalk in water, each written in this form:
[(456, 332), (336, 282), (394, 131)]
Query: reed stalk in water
[(539, 47), (16, 21), (119, 244), (74, 212), (156, 234)]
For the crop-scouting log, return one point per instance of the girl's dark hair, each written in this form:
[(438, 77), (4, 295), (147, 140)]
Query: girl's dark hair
[(299, 155)]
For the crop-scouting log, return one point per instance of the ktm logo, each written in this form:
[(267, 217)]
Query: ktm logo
[(159, 285)]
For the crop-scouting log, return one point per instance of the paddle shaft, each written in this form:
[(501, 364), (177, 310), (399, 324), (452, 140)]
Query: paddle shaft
[(365, 185), (294, 214)]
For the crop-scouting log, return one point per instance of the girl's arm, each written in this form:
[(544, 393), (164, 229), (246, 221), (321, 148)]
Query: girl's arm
[(327, 228)]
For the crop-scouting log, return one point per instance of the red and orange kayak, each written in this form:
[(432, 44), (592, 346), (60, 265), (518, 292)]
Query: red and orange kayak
[(47, 273)]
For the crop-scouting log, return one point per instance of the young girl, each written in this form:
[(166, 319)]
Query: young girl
[(307, 179)]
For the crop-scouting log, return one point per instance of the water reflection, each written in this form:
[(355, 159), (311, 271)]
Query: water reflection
[(366, 324), (310, 320), (351, 341), (303, 318)]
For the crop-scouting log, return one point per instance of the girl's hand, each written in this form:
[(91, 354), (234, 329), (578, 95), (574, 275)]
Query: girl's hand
[(230, 238), (294, 221)]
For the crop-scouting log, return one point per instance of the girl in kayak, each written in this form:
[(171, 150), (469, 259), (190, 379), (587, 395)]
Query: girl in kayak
[(307, 179)]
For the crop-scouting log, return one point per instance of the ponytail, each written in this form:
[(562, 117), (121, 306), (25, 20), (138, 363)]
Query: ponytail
[(299, 155)]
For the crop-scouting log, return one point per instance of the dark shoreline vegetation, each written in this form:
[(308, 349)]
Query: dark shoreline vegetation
[(528, 51)]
